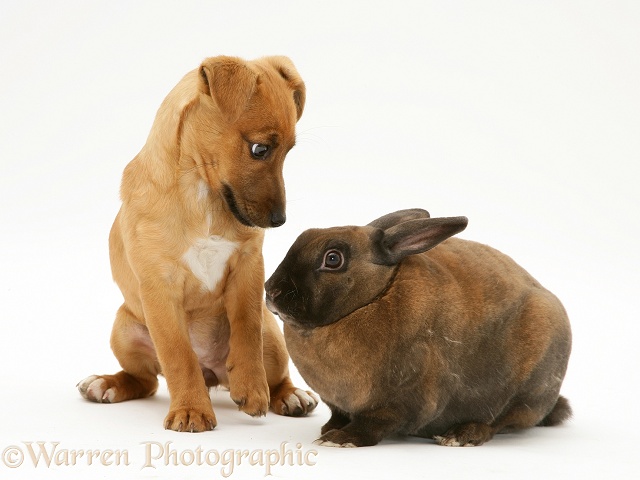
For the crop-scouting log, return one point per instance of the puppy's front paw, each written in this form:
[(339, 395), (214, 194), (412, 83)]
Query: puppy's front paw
[(97, 389), (192, 420), (250, 393), (293, 402)]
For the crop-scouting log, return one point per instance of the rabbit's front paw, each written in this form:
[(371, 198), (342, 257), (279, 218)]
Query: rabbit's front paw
[(338, 438), (348, 438)]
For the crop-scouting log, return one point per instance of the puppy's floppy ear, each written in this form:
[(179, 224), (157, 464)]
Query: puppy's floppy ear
[(230, 82), (415, 236), (288, 71), (391, 219)]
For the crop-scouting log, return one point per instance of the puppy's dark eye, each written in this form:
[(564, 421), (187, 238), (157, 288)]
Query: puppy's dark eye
[(333, 260), (259, 151)]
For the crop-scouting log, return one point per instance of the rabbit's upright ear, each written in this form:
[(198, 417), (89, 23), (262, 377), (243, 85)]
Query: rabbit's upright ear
[(391, 219), (416, 236)]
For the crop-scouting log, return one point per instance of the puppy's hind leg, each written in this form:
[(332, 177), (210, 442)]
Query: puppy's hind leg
[(286, 399), (134, 350)]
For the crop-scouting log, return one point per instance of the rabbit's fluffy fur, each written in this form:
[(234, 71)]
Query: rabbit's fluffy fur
[(456, 342)]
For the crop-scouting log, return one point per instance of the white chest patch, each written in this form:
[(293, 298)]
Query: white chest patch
[(207, 259)]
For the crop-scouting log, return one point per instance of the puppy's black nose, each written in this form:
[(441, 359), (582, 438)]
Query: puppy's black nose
[(277, 219)]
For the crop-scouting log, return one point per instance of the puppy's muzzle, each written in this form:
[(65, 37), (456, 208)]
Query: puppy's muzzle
[(275, 218)]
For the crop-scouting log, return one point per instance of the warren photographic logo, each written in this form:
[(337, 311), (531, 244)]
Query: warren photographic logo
[(154, 455)]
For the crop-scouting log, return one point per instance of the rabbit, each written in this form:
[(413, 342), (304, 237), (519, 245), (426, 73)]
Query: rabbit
[(402, 330)]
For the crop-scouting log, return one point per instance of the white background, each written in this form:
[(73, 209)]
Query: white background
[(523, 116)]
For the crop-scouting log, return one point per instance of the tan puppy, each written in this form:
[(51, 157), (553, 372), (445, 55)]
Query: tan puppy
[(186, 246)]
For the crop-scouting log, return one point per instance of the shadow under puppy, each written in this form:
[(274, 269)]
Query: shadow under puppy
[(397, 335), (186, 246)]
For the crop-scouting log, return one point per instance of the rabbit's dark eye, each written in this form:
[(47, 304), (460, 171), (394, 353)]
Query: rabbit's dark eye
[(259, 151), (333, 260)]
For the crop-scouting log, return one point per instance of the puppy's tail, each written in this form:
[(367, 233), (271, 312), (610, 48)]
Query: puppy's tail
[(560, 412)]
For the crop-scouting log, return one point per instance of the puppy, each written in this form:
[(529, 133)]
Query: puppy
[(186, 246)]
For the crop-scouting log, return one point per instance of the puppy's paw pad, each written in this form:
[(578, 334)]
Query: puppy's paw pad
[(95, 389), (298, 403)]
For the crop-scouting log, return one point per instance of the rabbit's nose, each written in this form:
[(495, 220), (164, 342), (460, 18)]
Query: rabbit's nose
[(274, 292), (271, 290)]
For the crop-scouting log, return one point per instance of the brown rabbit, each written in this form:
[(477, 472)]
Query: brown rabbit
[(456, 342)]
